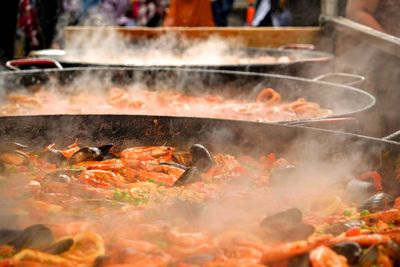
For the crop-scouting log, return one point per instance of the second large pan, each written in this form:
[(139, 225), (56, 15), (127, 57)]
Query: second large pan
[(297, 62), (343, 100)]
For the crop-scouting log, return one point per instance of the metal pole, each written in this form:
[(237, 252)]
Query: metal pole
[(329, 8)]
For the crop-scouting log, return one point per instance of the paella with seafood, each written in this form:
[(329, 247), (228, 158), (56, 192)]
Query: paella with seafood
[(267, 106), (166, 206)]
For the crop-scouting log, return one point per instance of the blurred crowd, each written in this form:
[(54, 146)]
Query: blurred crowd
[(37, 24)]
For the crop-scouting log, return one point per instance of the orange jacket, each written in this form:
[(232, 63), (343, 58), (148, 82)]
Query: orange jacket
[(189, 13)]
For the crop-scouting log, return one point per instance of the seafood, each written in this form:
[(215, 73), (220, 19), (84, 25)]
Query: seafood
[(268, 105), (163, 206)]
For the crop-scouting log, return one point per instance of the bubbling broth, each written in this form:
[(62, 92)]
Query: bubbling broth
[(267, 106)]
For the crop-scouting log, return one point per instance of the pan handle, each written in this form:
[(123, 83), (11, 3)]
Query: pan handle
[(342, 123), (347, 78), (16, 64), (392, 137), (298, 46)]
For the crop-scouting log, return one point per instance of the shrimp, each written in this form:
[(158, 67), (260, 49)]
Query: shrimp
[(67, 152), (101, 178), (184, 252), (159, 178), (25, 101), (148, 153), (109, 164), (118, 97), (41, 257), (137, 245), (244, 252), (376, 179), (86, 248), (323, 256), (186, 239), (269, 96), (387, 216), (288, 250)]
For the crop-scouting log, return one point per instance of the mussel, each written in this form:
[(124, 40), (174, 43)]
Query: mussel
[(351, 250), (54, 156), (300, 261), (90, 154), (378, 253), (290, 231), (60, 246), (293, 215), (36, 236), (286, 226), (359, 190), (370, 256), (201, 158), (378, 202), (61, 175), (189, 176), (8, 235), (174, 164), (339, 228)]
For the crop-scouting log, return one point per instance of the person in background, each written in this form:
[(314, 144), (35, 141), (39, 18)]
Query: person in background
[(221, 10), (36, 25), (271, 13), (381, 15), (189, 13), (148, 12), (8, 22)]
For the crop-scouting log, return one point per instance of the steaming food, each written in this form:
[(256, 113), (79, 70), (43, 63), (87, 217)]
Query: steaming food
[(154, 206), (268, 105)]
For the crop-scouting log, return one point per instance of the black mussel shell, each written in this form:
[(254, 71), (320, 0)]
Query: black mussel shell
[(293, 215), (359, 190), (174, 164), (201, 157), (36, 236), (54, 156), (86, 154), (191, 175), (8, 235), (283, 176), (351, 250), (393, 251), (378, 202), (60, 246), (300, 261), (290, 231), (101, 261), (105, 149), (339, 228), (11, 146), (90, 153), (369, 257), (62, 175)]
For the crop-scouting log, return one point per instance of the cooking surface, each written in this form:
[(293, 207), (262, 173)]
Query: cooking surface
[(178, 92), (135, 206), (268, 105)]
